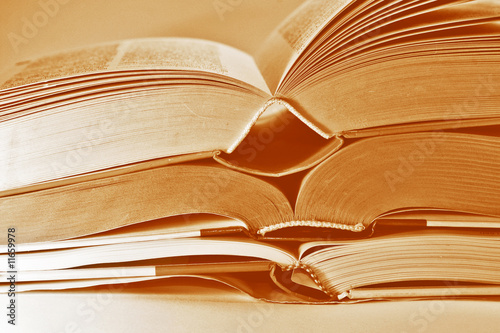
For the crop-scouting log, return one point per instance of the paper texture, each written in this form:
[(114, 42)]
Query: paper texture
[(143, 54)]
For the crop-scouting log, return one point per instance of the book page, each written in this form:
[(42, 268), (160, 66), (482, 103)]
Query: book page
[(189, 54), (289, 40), (64, 64), (153, 249), (173, 227), (152, 53)]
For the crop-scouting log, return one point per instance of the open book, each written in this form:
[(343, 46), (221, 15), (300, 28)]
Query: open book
[(361, 184), (356, 156), (416, 264), (342, 68)]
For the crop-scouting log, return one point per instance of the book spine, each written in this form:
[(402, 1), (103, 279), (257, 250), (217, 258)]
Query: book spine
[(315, 224), (290, 108), (286, 105), (282, 277)]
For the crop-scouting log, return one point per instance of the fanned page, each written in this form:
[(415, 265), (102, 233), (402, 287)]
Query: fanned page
[(141, 54), (122, 103), (362, 182), (287, 42), (174, 227), (350, 65), (99, 205), (384, 72), (153, 249), (417, 171), (412, 259)]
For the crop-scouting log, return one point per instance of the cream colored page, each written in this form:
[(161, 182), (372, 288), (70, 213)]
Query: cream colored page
[(69, 63), (152, 53), (289, 40), (189, 54), (173, 227)]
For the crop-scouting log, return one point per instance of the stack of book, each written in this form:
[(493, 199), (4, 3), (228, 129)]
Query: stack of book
[(355, 157)]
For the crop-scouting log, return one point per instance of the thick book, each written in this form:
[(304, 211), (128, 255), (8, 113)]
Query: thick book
[(340, 68), (363, 183), (414, 264)]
